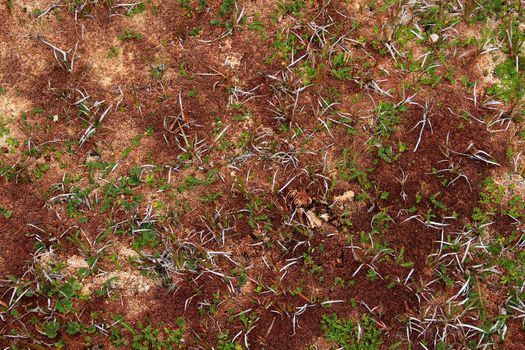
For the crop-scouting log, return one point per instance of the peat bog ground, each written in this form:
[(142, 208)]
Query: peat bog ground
[(262, 174)]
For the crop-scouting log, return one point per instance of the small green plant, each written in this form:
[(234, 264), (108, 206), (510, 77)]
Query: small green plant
[(113, 52), (6, 212), (211, 197), (352, 335), (157, 72), (129, 35), (148, 337), (193, 92), (291, 7), (135, 10), (226, 7)]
